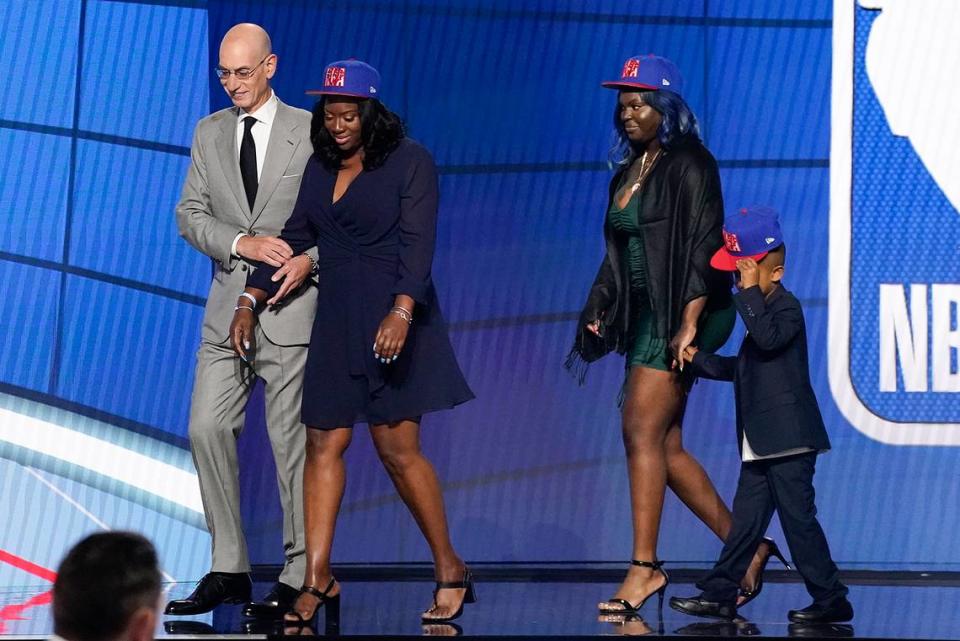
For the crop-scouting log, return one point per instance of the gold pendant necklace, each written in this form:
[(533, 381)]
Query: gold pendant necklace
[(644, 170)]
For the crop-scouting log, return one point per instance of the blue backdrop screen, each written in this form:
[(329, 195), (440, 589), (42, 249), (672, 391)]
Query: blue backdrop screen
[(104, 300)]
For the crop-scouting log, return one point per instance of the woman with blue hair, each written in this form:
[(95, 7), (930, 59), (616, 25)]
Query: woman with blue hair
[(654, 295)]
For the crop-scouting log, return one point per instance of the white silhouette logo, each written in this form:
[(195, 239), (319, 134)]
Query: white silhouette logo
[(912, 59), (666, 83)]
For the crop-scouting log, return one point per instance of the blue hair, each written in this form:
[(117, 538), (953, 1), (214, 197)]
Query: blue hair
[(678, 122)]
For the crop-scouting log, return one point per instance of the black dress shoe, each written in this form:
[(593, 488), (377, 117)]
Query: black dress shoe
[(836, 612), (278, 600), (212, 590), (699, 607), (267, 627), (715, 630), (820, 630), (188, 627)]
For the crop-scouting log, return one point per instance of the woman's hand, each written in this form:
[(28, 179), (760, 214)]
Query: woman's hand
[(391, 338), (594, 327), (241, 333), (681, 341), (293, 273)]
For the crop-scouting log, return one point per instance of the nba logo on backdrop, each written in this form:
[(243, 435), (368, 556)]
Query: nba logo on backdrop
[(894, 340), (335, 77)]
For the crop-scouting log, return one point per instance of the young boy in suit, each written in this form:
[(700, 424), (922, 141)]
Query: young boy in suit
[(779, 428)]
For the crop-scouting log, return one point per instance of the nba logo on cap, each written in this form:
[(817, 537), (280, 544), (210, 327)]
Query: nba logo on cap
[(730, 240), (349, 77), (750, 233), (335, 77), (647, 73)]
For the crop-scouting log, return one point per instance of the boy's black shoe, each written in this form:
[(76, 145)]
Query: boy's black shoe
[(699, 607), (704, 629), (836, 612), (820, 630)]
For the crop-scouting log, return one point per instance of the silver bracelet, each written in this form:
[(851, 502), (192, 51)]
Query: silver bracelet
[(251, 298), (239, 307), (402, 313)]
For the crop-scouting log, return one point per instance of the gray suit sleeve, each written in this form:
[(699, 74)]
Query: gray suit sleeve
[(195, 218)]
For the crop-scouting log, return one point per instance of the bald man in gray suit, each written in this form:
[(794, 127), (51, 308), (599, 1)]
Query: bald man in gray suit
[(243, 180)]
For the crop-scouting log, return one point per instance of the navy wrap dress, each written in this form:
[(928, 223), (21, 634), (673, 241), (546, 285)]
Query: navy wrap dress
[(374, 243)]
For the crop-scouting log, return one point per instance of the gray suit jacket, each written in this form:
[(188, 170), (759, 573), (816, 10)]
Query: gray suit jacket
[(213, 209)]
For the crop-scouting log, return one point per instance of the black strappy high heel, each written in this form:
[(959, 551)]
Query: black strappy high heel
[(629, 608), (470, 596), (774, 549), (331, 605)]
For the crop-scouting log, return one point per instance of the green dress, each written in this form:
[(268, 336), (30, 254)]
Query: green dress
[(644, 348)]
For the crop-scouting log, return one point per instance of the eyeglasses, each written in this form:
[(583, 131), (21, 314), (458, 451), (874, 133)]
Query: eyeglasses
[(241, 74)]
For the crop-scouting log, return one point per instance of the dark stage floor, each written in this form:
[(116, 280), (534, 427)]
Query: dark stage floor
[(554, 609)]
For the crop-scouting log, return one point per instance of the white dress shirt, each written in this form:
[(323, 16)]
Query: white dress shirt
[(260, 131), (749, 455)]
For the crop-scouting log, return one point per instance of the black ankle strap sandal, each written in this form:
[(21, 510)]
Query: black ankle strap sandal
[(469, 596), (324, 600), (628, 608), (309, 589)]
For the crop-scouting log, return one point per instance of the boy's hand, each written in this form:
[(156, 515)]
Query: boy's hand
[(749, 273), (688, 353)]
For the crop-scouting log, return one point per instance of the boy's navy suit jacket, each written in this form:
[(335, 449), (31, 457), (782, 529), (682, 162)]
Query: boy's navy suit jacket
[(776, 406)]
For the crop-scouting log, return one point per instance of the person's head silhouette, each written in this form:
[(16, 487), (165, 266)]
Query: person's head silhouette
[(107, 588)]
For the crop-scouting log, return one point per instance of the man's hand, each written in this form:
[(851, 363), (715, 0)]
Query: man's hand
[(265, 249), (749, 273), (293, 273)]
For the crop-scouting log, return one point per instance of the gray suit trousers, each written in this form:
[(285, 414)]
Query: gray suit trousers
[(221, 390)]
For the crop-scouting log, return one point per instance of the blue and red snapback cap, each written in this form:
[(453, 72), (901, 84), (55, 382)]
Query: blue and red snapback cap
[(752, 232), (349, 78), (649, 72)]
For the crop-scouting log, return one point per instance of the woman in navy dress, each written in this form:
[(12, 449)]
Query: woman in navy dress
[(379, 352)]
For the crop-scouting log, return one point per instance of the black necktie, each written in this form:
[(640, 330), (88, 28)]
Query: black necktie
[(248, 161)]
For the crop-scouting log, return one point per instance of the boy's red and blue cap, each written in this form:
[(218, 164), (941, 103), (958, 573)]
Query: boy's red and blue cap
[(349, 78), (649, 72), (752, 232)]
